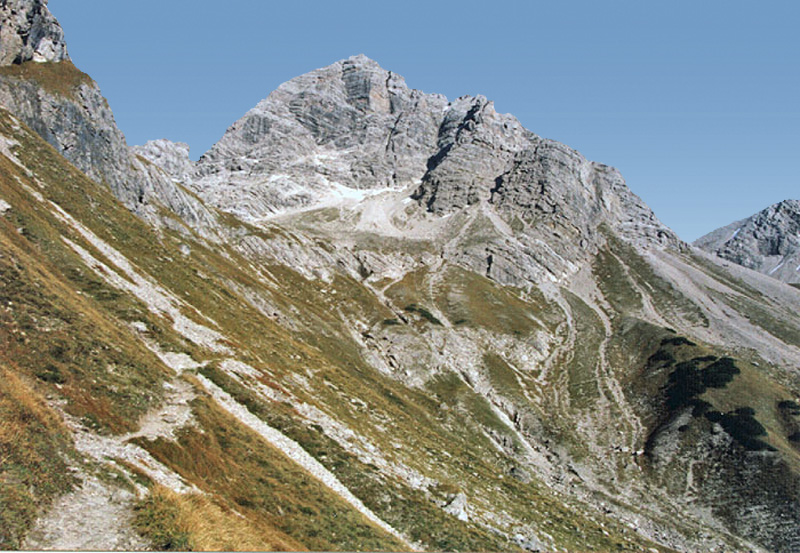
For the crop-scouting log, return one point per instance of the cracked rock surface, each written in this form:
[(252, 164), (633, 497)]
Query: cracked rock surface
[(29, 32), (768, 242)]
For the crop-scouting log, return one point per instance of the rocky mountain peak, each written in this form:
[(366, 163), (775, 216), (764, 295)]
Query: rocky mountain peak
[(29, 32), (350, 124), (768, 242)]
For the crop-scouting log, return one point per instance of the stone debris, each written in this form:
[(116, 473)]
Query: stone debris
[(94, 517), (458, 507)]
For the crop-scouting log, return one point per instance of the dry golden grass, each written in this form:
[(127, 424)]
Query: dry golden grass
[(60, 78), (20, 407), (33, 445), (197, 523)]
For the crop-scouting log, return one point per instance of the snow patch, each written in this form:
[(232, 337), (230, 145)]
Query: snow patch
[(776, 268), (734, 234), (339, 191)]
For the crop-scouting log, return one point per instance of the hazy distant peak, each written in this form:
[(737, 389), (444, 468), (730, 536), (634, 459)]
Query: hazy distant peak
[(768, 242)]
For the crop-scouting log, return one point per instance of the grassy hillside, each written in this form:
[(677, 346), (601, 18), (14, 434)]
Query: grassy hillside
[(82, 335)]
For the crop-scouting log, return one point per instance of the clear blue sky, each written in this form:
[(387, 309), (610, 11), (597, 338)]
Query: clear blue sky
[(697, 103)]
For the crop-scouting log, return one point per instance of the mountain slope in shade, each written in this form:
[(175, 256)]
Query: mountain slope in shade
[(767, 242), (405, 323)]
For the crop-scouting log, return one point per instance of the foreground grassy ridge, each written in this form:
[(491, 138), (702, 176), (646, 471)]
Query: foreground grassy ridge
[(174, 522), (224, 458), (34, 449), (61, 323)]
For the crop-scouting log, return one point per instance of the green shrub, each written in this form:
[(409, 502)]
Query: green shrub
[(424, 313), (661, 356), (677, 341), (743, 427), (790, 407), (720, 373), (51, 373)]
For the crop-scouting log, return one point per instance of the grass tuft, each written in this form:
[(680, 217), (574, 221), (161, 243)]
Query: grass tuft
[(33, 447), (174, 522), (61, 79)]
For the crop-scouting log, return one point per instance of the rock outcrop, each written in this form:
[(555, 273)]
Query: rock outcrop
[(67, 109), (768, 242), (29, 32), (171, 157), (353, 129), (350, 124)]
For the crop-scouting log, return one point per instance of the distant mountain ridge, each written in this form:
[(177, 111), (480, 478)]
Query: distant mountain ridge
[(767, 242)]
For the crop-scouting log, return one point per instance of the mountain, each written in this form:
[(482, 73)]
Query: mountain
[(767, 242), (368, 318)]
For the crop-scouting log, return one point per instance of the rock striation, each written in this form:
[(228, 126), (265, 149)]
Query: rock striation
[(768, 242), (350, 124), (170, 157), (354, 129), (29, 32)]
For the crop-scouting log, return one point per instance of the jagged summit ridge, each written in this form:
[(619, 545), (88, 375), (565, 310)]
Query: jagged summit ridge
[(357, 125), (29, 32), (350, 124), (768, 242)]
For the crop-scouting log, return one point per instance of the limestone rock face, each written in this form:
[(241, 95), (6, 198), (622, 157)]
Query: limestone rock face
[(474, 147), (29, 32), (76, 119), (171, 157), (350, 124), (353, 130), (81, 127), (768, 242)]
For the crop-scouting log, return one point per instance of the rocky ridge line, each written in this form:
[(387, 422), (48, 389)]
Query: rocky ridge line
[(767, 242), (78, 122)]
